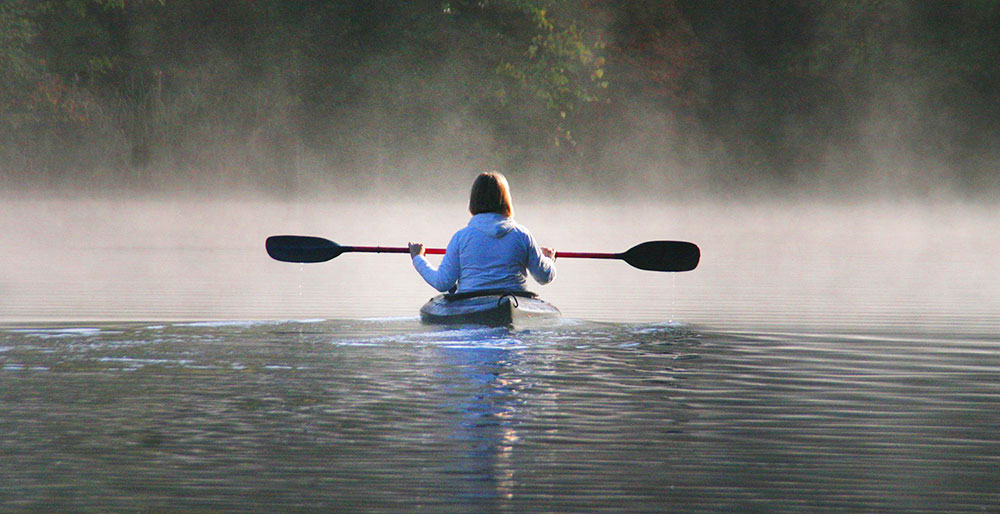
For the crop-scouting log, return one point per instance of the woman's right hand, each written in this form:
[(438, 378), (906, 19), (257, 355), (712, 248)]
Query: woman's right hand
[(549, 252), (416, 249)]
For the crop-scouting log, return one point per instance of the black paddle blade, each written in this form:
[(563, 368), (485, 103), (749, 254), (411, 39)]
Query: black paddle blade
[(302, 248), (663, 256)]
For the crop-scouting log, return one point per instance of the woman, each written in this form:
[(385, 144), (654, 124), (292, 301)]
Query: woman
[(493, 252)]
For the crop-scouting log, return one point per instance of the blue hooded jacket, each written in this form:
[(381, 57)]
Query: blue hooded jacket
[(492, 252)]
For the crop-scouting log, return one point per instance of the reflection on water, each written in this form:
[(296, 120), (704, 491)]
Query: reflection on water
[(390, 416)]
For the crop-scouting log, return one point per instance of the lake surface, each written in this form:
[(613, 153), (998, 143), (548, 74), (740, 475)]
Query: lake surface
[(822, 358)]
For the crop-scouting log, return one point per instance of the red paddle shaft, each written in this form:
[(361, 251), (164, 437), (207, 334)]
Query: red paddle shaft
[(588, 255), (440, 251), (390, 249)]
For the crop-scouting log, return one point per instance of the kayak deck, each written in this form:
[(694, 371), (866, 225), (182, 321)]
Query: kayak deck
[(491, 308)]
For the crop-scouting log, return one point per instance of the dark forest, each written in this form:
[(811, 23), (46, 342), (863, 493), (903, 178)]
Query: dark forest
[(288, 97)]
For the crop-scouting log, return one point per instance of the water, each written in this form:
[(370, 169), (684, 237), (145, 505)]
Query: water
[(821, 359)]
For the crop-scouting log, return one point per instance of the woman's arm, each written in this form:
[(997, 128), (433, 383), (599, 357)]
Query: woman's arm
[(444, 277), (541, 262)]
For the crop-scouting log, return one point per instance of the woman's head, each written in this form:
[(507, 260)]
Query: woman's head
[(490, 193)]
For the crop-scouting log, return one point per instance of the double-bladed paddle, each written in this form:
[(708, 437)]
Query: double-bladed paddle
[(651, 255)]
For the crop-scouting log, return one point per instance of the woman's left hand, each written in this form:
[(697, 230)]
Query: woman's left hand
[(416, 249), (549, 252)]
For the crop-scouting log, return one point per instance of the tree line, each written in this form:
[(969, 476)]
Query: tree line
[(283, 94)]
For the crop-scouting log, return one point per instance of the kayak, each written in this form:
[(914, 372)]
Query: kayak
[(491, 308)]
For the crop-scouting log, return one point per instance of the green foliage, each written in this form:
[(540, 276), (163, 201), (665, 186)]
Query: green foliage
[(561, 71), (559, 66), (21, 69), (32, 95), (370, 84), (542, 56), (81, 6)]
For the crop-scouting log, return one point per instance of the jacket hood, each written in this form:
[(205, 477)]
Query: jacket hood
[(492, 224)]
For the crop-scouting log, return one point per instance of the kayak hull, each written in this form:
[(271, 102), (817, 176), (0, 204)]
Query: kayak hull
[(495, 310)]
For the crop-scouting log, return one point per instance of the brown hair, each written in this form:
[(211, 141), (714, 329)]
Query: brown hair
[(490, 193)]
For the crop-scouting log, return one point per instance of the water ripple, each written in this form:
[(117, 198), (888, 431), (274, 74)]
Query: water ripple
[(583, 417)]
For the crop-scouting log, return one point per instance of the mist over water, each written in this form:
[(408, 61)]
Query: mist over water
[(815, 265)]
